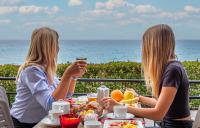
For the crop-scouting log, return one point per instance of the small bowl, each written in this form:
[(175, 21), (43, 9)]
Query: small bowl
[(69, 121)]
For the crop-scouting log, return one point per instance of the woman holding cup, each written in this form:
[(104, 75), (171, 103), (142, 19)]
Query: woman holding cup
[(37, 84), (167, 79)]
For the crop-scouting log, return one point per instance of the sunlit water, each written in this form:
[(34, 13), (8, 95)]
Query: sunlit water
[(96, 51)]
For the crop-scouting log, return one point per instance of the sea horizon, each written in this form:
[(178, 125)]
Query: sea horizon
[(96, 51), (96, 40)]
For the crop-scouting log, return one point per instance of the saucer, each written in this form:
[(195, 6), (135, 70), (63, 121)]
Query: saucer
[(112, 116), (48, 122)]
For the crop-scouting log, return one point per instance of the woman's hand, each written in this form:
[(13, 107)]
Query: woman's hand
[(67, 85), (77, 69), (134, 92), (109, 103)]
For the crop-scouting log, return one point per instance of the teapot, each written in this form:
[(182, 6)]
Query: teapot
[(102, 92)]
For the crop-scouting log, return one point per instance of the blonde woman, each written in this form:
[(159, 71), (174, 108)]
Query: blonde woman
[(37, 84), (167, 78)]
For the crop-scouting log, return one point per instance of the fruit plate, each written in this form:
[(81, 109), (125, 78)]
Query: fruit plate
[(109, 123)]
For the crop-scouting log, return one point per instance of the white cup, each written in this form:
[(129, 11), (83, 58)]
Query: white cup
[(82, 99), (61, 105), (54, 116), (91, 117), (92, 124), (120, 111)]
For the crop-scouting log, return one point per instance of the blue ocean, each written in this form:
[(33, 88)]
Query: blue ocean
[(96, 51)]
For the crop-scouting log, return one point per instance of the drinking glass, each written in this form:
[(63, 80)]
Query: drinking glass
[(92, 97), (80, 58)]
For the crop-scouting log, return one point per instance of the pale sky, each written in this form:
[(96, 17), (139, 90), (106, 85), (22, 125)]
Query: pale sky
[(98, 19)]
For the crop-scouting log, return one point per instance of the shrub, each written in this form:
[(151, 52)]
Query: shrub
[(114, 70)]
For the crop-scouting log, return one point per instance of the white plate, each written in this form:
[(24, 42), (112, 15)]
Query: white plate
[(112, 116), (48, 122), (108, 122)]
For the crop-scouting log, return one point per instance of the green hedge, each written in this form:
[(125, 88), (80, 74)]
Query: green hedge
[(123, 70)]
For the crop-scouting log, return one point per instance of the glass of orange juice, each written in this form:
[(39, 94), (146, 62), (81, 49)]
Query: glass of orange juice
[(92, 97)]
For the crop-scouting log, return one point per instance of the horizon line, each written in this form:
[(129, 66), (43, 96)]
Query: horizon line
[(92, 39)]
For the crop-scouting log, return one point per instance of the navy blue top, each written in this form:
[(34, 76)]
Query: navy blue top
[(175, 76)]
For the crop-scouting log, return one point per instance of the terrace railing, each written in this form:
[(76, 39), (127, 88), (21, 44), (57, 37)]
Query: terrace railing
[(192, 82)]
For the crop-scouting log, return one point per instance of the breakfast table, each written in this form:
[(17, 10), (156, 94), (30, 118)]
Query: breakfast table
[(103, 120), (90, 109), (41, 125)]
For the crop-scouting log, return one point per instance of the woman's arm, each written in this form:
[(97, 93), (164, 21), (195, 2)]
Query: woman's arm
[(142, 99), (157, 113), (147, 101), (162, 106), (67, 83), (71, 88), (63, 87)]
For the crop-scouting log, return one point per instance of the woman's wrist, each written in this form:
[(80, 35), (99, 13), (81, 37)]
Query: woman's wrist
[(139, 98), (69, 95), (68, 72), (66, 77)]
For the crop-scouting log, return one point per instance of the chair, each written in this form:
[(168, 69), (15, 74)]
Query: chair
[(196, 123), (3, 95), (5, 118)]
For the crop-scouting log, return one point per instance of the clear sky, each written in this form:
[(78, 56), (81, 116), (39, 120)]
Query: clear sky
[(98, 19)]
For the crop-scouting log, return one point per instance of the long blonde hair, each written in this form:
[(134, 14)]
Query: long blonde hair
[(158, 48), (43, 52)]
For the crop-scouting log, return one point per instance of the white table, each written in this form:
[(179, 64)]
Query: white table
[(41, 125)]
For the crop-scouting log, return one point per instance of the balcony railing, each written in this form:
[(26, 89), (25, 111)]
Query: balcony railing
[(192, 82)]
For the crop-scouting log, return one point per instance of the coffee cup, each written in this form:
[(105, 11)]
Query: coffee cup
[(120, 111), (61, 105), (91, 117), (54, 116)]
